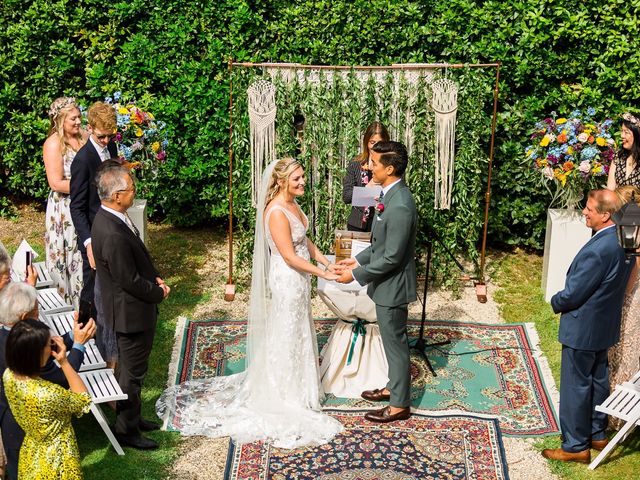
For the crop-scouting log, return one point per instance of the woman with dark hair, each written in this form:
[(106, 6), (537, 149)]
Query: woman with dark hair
[(359, 175), (43, 409), (625, 167)]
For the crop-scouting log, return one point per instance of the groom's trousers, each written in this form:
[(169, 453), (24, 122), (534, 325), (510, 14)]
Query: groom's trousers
[(393, 330)]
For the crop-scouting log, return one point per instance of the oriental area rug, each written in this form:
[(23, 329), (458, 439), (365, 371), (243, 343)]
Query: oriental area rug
[(489, 370), (423, 447)]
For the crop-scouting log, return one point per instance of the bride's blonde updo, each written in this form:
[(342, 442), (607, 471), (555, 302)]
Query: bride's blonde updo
[(281, 173)]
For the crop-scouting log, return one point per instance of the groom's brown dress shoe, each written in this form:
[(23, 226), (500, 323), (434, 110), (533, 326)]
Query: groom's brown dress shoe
[(384, 415), (559, 454), (599, 444), (376, 395)]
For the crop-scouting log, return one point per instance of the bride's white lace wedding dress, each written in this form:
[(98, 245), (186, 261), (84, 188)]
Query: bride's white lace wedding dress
[(278, 397)]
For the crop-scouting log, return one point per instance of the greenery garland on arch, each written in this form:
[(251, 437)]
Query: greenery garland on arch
[(337, 107)]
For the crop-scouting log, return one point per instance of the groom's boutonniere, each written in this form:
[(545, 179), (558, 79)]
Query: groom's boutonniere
[(379, 205)]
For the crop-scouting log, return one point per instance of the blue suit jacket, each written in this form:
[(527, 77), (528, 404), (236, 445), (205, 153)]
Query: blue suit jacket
[(591, 302)]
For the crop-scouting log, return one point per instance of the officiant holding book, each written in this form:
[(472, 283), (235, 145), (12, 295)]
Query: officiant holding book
[(359, 175), (388, 267)]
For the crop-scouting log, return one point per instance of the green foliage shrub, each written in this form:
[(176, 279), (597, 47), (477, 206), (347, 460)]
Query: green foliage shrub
[(556, 55)]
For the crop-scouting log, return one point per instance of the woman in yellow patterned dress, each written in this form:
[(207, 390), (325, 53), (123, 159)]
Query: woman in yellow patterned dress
[(43, 409)]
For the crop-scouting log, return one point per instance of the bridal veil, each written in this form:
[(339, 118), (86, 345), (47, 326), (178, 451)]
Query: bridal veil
[(251, 406)]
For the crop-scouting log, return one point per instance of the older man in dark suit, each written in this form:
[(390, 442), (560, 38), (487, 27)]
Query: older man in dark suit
[(591, 306), (131, 291)]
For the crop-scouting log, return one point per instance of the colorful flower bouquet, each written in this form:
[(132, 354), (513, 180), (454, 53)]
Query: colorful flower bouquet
[(142, 140), (573, 153)]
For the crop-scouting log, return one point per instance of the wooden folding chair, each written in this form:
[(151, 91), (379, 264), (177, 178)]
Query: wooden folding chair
[(101, 382), (103, 387), (623, 403)]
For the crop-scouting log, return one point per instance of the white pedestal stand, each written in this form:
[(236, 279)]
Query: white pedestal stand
[(138, 215), (566, 235)]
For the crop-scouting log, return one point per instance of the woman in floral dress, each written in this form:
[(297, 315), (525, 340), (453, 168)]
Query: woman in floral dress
[(63, 258), (624, 177), (624, 356)]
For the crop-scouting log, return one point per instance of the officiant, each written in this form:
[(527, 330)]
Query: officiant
[(359, 175)]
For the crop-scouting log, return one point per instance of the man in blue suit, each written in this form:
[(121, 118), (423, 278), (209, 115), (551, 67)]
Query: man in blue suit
[(590, 307)]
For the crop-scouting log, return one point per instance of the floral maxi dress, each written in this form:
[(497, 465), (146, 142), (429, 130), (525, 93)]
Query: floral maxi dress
[(43, 410), (63, 258)]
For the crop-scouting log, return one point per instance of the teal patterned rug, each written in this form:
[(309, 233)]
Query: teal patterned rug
[(486, 370)]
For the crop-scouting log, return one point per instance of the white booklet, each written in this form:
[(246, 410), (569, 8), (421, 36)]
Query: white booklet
[(19, 263), (365, 196)]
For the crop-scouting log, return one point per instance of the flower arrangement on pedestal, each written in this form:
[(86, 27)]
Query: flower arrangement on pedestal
[(571, 153), (141, 139)]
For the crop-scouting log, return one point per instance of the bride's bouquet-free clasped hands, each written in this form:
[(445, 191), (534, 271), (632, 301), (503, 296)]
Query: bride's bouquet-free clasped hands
[(141, 139), (571, 153)]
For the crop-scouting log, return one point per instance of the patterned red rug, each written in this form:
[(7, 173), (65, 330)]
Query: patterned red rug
[(423, 447)]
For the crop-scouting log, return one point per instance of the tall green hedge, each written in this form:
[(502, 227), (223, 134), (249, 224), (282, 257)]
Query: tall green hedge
[(556, 55)]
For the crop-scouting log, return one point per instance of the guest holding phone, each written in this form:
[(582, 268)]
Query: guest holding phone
[(43, 409), (18, 302), (31, 276)]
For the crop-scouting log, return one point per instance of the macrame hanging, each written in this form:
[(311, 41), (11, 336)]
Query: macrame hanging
[(445, 106), (262, 120)]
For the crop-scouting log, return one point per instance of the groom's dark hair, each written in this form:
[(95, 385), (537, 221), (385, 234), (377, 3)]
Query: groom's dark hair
[(394, 154)]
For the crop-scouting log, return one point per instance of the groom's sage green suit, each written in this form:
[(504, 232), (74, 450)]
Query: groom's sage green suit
[(388, 267)]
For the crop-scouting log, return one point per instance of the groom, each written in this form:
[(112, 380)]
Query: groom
[(388, 267)]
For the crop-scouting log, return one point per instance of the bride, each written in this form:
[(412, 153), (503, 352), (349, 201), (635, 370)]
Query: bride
[(277, 398)]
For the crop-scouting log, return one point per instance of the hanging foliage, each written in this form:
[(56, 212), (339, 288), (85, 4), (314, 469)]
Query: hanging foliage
[(337, 106)]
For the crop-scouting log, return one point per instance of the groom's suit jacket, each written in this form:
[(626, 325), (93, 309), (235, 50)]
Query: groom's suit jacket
[(591, 302), (388, 265), (84, 200)]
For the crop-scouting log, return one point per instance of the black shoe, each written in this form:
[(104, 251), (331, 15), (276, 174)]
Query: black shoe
[(147, 426), (136, 441)]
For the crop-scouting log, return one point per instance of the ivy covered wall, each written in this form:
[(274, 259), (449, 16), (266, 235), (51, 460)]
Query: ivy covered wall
[(556, 55)]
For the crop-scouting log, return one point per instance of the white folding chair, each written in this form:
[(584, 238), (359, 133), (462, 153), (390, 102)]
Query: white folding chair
[(103, 387), (44, 276), (623, 403), (61, 323), (50, 301)]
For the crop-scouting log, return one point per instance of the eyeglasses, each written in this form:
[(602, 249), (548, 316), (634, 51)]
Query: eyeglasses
[(132, 189), (108, 136)]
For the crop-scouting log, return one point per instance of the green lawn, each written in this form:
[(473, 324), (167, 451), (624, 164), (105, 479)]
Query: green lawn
[(180, 253), (521, 300)]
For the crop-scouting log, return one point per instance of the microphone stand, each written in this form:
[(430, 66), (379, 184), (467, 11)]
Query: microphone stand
[(420, 344)]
